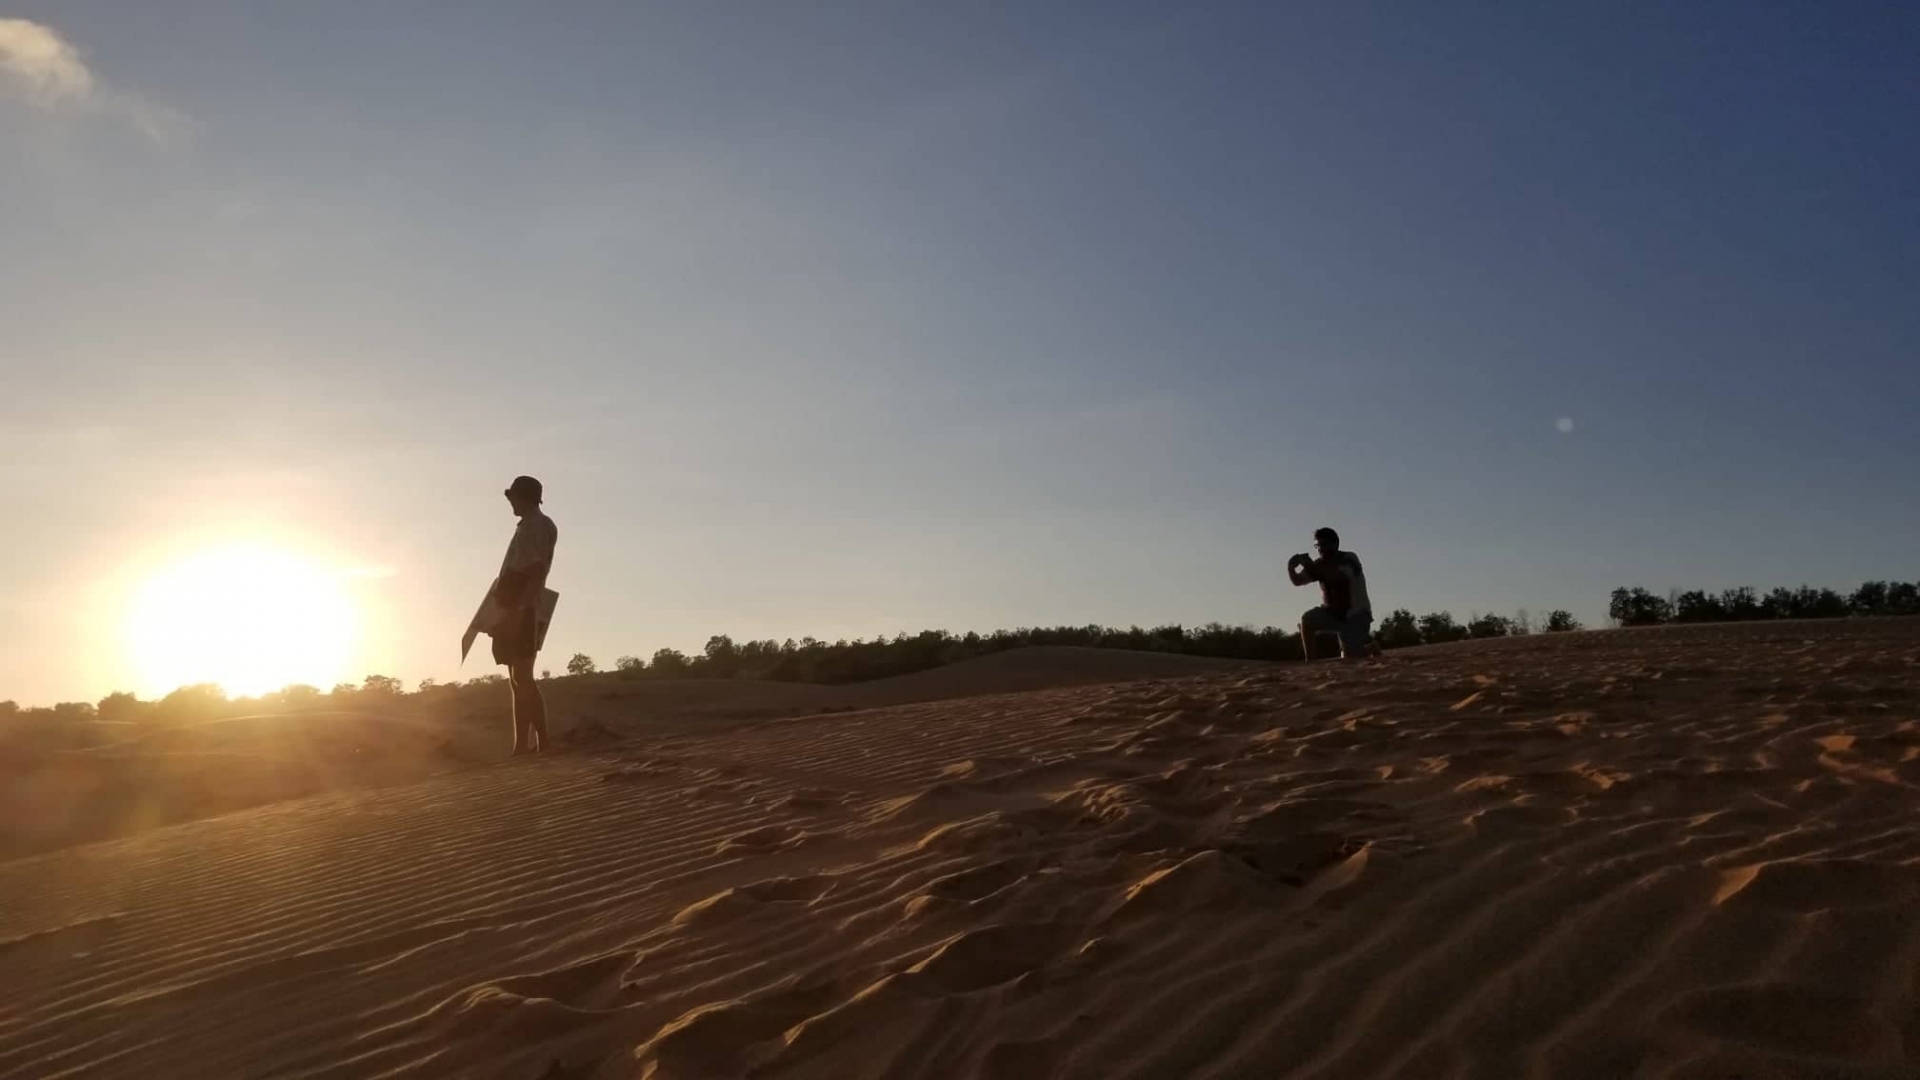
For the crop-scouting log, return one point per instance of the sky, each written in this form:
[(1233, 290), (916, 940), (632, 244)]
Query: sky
[(845, 319)]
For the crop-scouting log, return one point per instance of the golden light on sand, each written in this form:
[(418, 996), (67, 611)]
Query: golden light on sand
[(252, 618)]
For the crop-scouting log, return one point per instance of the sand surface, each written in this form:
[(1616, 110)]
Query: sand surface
[(1676, 853), (68, 783)]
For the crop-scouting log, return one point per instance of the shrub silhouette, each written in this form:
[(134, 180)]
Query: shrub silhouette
[(1438, 627), (1638, 607), (1696, 606), (668, 662), (122, 706), (1489, 626), (1398, 630), (1741, 603)]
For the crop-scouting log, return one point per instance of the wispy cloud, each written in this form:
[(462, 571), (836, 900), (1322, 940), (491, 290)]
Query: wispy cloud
[(43, 62), (45, 68)]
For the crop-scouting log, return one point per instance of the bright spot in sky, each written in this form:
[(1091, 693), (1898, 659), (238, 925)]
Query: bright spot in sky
[(1565, 424), (249, 617)]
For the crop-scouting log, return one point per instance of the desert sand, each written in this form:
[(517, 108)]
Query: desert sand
[(1676, 852), (69, 783)]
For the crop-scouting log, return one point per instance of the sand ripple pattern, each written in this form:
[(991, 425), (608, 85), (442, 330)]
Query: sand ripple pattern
[(1676, 853)]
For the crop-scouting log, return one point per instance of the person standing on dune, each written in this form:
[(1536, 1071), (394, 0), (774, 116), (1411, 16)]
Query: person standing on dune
[(517, 596), (1345, 609)]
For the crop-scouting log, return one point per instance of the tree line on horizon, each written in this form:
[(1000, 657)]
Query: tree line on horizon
[(810, 660), (807, 660), (813, 661), (1873, 599)]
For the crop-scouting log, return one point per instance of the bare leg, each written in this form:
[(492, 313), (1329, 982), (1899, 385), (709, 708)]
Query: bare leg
[(529, 709), (519, 710), (537, 713)]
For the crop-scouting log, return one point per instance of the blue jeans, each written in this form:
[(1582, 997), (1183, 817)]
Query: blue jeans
[(1354, 629)]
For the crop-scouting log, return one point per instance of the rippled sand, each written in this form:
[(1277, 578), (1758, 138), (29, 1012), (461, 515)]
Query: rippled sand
[(1634, 853)]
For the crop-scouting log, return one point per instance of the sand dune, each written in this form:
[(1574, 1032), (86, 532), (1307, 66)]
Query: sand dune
[(1014, 671), (104, 780), (1677, 853)]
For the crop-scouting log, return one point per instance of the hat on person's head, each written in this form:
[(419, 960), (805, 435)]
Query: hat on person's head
[(525, 487)]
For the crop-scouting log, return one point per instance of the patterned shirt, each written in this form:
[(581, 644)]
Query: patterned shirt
[(530, 552)]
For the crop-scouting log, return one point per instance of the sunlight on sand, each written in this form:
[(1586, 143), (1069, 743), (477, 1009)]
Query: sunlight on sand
[(1691, 851)]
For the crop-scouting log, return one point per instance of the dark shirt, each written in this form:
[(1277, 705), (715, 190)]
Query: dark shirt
[(1343, 584)]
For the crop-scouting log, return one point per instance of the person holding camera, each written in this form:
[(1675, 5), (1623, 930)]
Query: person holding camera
[(1345, 610)]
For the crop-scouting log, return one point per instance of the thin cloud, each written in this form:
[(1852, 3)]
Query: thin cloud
[(46, 69), (1565, 425), (42, 62)]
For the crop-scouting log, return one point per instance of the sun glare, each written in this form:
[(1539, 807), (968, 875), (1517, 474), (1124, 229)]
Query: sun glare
[(250, 618)]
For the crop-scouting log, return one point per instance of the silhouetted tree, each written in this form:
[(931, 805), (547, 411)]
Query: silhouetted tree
[(1438, 627), (74, 710), (382, 685), (1638, 607), (1561, 621), (581, 664), (1822, 603), (670, 663), (1869, 599), (1741, 604), (722, 657), (188, 704), (1695, 606), (1398, 630), (121, 707), (299, 695), (1779, 603), (1489, 626), (1804, 602), (1903, 598), (629, 663), (9, 709)]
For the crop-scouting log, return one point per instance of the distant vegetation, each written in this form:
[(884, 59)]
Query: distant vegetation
[(813, 661), (1639, 607), (807, 660)]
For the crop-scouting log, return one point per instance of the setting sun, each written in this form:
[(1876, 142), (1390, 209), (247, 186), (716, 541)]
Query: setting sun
[(250, 618)]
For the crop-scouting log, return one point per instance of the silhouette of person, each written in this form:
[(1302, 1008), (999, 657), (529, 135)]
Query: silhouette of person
[(1344, 607), (517, 592)]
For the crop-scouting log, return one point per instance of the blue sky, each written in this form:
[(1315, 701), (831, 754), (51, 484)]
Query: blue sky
[(848, 319)]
